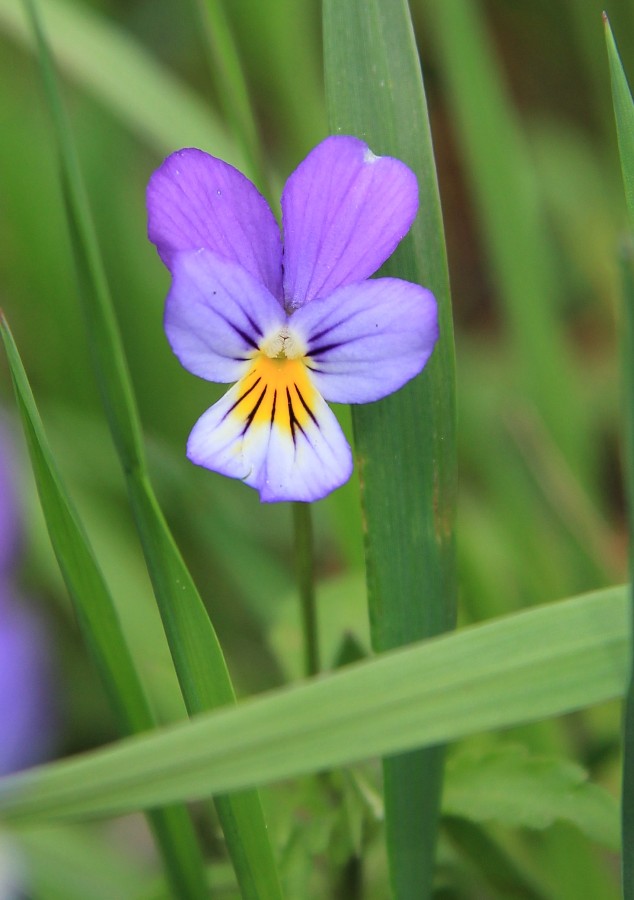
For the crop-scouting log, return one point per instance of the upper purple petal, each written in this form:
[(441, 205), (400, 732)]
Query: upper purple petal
[(344, 211), (366, 340), (216, 315), (195, 200)]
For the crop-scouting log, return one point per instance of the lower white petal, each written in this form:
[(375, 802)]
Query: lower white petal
[(274, 431)]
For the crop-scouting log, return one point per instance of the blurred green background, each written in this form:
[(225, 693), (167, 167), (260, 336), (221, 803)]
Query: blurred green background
[(523, 128)]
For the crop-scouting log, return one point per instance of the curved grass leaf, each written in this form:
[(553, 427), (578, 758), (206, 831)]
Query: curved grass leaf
[(521, 668), (197, 656), (405, 444), (624, 113), (105, 61), (100, 626)]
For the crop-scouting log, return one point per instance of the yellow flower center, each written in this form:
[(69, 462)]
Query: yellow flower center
[(276, 391)]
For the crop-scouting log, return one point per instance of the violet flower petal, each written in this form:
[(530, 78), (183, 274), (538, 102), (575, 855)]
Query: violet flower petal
[(216, 315), (25, 713), (367, 340), (299, 455), (344, 211), (195, 200), (10, 519)]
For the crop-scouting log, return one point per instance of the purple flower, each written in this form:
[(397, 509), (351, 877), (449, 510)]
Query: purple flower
[(10, 524), (293, 327), (26, 715)]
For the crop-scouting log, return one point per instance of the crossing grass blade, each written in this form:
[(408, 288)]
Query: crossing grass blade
[(100, 628), (543, 662), (405, 444), (624, 114), (197, 656)]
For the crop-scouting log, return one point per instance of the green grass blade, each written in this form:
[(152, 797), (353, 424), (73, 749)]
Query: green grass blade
[(100, 627), (197, 656), (104, 61), (521, 668), (504, 187), (624, 113), (374, 90)]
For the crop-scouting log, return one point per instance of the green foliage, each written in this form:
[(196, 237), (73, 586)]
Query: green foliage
[(505, 784), (516, 669), (198, 659), (532, 197), (624, 112)]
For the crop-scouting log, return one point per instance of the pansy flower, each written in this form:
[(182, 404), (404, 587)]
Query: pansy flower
[(293, 325)]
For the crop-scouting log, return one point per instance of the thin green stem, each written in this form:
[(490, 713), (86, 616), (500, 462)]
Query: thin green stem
[(304, 564)]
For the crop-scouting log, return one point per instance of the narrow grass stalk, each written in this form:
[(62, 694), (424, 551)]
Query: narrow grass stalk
[(196, 652), (405, 444), (624, 114), (304, 563)]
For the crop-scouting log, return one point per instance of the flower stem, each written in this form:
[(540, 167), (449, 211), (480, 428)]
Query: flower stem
[(304, 564)]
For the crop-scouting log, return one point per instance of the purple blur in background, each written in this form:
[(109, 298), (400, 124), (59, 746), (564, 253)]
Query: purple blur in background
[(26, 720)]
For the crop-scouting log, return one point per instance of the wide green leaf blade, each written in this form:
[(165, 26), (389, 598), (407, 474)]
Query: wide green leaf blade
[(196, 652), (374, 90), (624, 113), (100, 626), (520, 668)]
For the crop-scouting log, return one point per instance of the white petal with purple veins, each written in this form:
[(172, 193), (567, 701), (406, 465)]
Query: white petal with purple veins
[(275, 432)]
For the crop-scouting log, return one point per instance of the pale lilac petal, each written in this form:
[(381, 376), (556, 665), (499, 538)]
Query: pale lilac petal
[(195, 200), (216, 314), (344, 211), (367, 340), (302, 462)]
